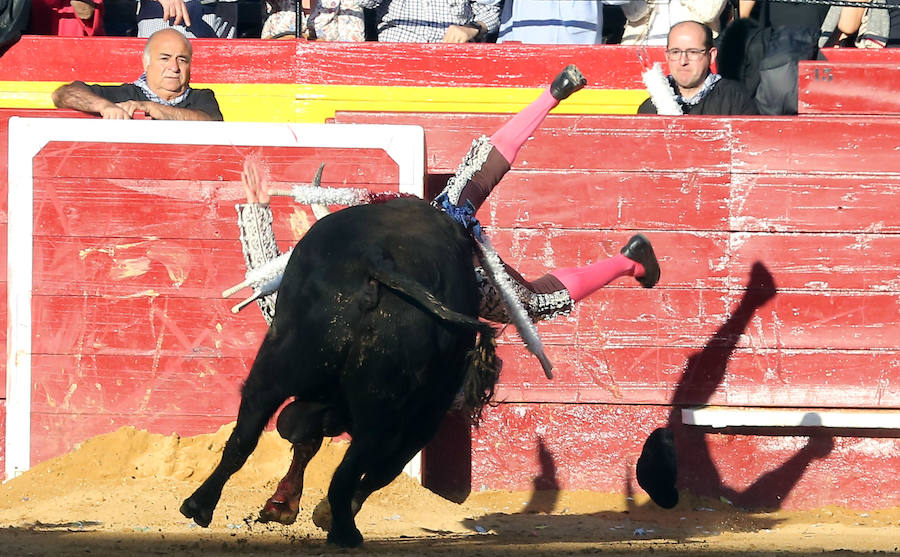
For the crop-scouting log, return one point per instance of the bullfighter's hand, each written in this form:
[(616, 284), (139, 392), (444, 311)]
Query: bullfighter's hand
[(83, 9), (175, 9), (254, 185)]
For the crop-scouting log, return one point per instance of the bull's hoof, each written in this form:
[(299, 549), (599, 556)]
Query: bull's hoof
[(321, 515), (200, 514), (278, 511), (348, 538)]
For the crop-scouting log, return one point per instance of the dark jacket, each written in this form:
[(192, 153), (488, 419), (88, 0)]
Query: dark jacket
[(727, 98), (203, 100)]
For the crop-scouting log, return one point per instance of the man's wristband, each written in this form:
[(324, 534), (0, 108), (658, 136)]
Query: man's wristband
[(478, 38)]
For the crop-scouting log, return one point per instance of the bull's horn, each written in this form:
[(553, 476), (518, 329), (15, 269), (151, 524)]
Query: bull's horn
[(318, 209)]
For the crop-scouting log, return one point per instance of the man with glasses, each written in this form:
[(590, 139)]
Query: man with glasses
[(690, 53)]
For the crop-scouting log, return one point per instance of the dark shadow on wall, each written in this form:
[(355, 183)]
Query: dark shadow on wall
[(703, 373), (546, 488)]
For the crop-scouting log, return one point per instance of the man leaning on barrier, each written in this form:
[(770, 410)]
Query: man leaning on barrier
[(163, 92)]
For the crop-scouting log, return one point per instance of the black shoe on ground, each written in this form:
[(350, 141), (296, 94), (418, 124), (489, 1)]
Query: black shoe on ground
[(657, 469), (567, 82), (639, 249)]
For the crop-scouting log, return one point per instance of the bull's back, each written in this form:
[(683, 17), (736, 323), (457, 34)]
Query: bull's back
[(328, 279)]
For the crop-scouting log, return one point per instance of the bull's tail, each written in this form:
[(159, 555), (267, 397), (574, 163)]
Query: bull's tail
[(482, 363)]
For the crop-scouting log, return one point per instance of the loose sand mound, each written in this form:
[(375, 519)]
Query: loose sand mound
[(120, 493)]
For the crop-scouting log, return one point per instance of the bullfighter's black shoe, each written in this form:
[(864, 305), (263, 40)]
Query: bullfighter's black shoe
[(639, 249), (567, 82), (657, 469)]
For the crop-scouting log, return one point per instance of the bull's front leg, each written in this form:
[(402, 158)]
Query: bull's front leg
[(344, 483), (258, 403)]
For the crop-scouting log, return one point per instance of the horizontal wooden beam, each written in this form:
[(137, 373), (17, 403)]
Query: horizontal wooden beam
[(844, 418)]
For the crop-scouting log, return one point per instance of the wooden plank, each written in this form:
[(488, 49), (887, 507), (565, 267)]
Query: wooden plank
[(211, 162), (3, 334), (98, 209), (5, 115), (590, 142), (805, 202), (820, 262), (622, 200), (137, 266), (139, 385), (712, 374), (594, 447), (798, 320), (858, 55), (830, 87), (844, 146), (255, 61), (507, 65), (143, 326)]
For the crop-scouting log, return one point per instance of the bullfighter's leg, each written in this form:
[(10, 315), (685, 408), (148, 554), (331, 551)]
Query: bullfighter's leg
[(556, 293), (489, 159), (260, 398)]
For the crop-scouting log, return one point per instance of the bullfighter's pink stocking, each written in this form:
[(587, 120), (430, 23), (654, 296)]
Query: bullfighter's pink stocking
[(582, 281), (513, 134)]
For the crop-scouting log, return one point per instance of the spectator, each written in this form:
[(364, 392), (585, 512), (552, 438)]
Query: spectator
[(690, 53), (553, 21), (880, 27), (163, 91), (326, 20), (776, 14), (434, 21), (648, 21), (836, 24), (194, 18), (67, 18), (14, 15)]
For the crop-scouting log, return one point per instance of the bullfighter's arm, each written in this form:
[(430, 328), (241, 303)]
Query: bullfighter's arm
[(258, 245)]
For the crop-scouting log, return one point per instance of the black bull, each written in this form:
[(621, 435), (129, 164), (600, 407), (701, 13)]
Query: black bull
[(374, 334)]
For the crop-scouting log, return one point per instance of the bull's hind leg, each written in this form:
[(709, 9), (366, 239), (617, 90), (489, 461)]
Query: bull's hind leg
[(304, 425), (260, 397)]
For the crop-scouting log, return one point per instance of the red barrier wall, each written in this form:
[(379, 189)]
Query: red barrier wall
[(133, 245), (716, 196)]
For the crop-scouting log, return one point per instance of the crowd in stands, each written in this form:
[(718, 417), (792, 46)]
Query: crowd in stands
[(630, 22)]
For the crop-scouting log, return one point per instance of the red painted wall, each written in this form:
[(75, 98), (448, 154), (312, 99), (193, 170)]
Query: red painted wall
[(809, 198), (716, 196)]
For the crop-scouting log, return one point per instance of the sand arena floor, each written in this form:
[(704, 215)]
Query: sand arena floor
[(119, 494)]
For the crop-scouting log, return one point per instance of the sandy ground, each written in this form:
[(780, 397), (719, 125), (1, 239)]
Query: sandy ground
[(119, 494)]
